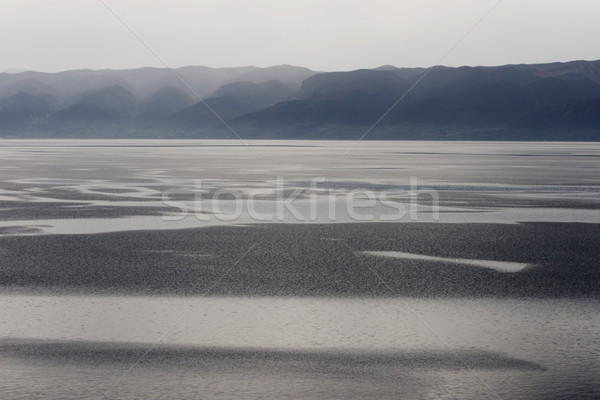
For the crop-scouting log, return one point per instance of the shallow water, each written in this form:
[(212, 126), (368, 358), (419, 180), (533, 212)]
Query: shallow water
[(130, 347), (104, 186), (420, 348), (500, 266)]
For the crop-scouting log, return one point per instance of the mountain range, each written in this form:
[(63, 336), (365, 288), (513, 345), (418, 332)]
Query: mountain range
[(557, 101)]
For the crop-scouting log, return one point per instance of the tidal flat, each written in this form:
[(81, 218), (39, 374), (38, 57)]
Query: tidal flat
[(150, 269)]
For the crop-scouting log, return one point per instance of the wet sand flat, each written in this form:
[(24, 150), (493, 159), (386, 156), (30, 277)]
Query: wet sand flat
[(104, 296), (310, 260)]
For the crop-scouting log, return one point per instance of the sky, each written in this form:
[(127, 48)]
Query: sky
[(324, 35)]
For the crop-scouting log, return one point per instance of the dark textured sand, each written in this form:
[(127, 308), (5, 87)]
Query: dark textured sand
[(309, 260), (37, 212)]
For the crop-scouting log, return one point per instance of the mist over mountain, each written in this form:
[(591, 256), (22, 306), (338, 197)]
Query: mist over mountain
[(22, 109), (505, 102), (255, 96), (557, 101), (163, 103)]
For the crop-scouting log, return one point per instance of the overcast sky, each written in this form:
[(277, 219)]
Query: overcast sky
[(326, 35)]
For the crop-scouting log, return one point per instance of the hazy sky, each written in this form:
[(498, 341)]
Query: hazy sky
[(54, 35)]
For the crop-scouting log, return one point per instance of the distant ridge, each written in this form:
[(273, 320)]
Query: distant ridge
[(555, 101)]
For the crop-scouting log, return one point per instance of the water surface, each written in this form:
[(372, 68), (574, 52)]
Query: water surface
[(486, 286)]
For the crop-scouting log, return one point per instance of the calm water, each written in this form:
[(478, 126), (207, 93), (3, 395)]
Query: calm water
[(535, 348), (124, 347)]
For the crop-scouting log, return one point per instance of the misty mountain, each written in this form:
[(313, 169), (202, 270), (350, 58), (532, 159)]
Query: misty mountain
[(255, 96), (22, 110), (345, 98), (289, 75), (230, 101), (466, 101), (95, 110), (531, 102), (10, 87), (144, 82), (28, 104), (202, 114), (165, 102), (363, 81), (114, 102)]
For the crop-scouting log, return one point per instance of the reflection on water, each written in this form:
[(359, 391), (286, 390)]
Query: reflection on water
[(500, 266), (303, 342), (97, 186)]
